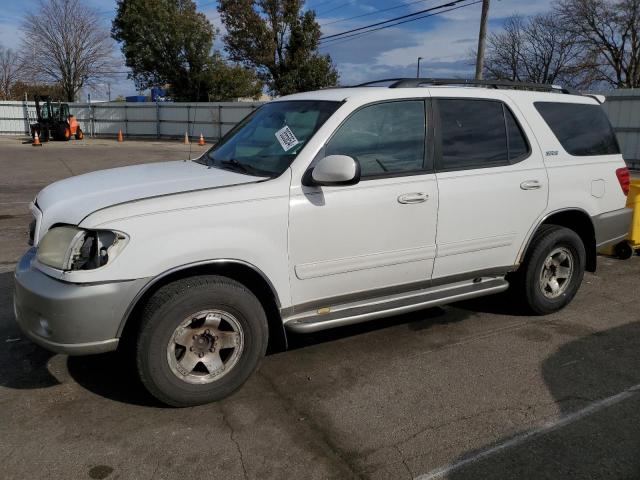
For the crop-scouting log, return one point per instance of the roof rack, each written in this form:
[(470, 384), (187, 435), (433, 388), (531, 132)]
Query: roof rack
[(419, 82)]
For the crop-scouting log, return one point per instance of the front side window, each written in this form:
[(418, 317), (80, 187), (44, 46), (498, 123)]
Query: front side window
[(582, 129), (385, 138), (267, 141)]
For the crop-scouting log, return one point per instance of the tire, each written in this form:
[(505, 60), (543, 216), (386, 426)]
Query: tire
[(221, 324), (546, 255), (623, 250)]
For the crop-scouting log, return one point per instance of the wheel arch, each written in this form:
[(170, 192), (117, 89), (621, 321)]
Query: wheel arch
[(574, 219), (243, 272)]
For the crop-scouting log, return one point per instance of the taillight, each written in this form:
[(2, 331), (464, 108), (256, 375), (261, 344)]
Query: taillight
[(624, 179)]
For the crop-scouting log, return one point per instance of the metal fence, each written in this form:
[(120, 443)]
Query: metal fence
[(623, 108), (167, 120), (155, 120)]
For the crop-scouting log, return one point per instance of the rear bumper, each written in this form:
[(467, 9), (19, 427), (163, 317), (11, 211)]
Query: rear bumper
[(612, 227), (76, 319)]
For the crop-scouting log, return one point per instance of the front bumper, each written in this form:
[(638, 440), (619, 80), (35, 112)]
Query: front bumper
[(76, 319), (612, 227)]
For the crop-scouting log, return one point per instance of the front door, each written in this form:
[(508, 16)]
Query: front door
[(347, 241)]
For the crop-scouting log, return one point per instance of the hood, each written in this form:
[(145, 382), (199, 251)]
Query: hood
[(72, 199)]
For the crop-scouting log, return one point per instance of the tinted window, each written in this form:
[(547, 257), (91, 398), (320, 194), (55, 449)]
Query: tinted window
[(518, 146), (386, 138), (581, 129), (472, 133)]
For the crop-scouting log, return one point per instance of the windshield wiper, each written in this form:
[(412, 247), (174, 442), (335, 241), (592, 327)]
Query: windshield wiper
[(248, 169), (235, 164)]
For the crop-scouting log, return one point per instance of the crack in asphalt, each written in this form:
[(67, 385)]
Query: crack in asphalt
[(314, 427), (404, 461), (235, 442)]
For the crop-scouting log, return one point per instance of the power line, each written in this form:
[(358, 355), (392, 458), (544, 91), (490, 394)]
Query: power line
[(450, 4), (395, 7), (348, 38)]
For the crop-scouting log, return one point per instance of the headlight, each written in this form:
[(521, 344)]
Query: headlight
[(71, 248)]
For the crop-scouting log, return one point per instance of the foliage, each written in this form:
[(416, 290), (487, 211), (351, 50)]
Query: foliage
[(609, 32), (10, 70), (170, 42), (536, 49), (64, 43), (19, 89), (278, 40)]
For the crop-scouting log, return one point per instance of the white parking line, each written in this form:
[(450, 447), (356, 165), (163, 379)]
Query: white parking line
[(523, 437)]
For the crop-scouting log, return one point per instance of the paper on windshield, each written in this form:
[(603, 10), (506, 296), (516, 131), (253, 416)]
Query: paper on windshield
[(286, 138)]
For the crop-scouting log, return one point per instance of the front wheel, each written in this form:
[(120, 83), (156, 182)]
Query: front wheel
[(199, 340), (553, 269)]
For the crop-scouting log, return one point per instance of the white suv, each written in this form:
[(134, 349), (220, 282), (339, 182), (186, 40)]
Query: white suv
[(318, 210)]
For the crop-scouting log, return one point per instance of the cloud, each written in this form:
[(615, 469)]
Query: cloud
[(444, 42)]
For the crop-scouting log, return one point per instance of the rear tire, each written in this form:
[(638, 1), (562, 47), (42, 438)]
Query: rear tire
[(552, 271), (199, 340)]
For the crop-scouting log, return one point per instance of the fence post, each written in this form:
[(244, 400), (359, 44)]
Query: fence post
[(157, 119), (25, 106), (219, 122), (92, 120), (188, 117), (125, 120)]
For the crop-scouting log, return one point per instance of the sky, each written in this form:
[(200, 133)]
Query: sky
[(444, 41)]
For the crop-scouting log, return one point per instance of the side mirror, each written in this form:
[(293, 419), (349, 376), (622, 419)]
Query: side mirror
[(335, 170)]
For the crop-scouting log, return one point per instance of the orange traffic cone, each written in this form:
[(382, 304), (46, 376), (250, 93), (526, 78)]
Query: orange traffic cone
[(36, 140), (120, 137), (186, 139), (201, 142)]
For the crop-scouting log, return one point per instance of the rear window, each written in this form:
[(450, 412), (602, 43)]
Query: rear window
[(581, 129)]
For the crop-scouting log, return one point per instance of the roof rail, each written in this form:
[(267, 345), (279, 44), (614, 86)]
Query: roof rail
[(419, 82)]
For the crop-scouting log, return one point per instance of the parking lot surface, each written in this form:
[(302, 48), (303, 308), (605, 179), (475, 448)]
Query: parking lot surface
[(474, 390)]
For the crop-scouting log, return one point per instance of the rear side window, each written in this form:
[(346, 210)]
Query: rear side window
[(581, 129), (478, 134)]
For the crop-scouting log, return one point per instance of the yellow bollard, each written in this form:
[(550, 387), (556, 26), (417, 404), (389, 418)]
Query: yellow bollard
[(633, 201)]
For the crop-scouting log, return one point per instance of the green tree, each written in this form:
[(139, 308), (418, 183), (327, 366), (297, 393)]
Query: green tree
[(230, 82), (278, 40), (170, 42)]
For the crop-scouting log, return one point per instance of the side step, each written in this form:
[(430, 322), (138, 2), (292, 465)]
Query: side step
[(356, 312)]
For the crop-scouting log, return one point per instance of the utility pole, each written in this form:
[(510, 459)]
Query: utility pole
[(418, 70), (482, 39)]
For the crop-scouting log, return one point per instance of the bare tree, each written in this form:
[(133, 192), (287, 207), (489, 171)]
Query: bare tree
[(65, 43), (9, 71), (535, 50), (609, 30)]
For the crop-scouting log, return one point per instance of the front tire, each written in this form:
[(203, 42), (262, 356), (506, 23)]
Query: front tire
[(552, 271), (200, 339)]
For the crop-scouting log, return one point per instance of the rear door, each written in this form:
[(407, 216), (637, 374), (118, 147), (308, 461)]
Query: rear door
[(492, 183)]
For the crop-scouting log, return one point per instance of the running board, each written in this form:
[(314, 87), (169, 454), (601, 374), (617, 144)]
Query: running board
[(356, 312)]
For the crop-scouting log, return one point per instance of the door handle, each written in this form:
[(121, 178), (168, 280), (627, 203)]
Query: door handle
[(531, 185), (409, 198)]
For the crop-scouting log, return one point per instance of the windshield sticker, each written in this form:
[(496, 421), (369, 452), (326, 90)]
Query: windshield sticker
[(286, 138)]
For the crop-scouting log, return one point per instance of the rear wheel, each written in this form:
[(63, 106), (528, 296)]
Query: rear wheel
[(199, 340), (552, 271)]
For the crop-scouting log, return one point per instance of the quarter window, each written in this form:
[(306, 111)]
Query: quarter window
[(582, 129), (478, 134), (386, 138)]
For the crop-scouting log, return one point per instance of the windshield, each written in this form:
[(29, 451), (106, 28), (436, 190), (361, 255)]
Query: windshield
[(268, 140)]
